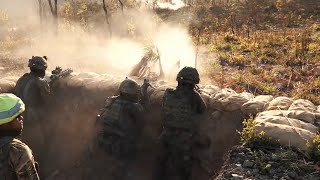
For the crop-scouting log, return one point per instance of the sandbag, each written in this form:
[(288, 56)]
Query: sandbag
[(11, 78), (206, 98), (318, 109), (256, 105), (282, 103), (234, 101), (157, 96), (287, 135), (210, 89), (305, 116), (303, 104), (87, 75), (216, 100), (7, 86), (287, 121)]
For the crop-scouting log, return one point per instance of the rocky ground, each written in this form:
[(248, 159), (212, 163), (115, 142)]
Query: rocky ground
[(264, 164)]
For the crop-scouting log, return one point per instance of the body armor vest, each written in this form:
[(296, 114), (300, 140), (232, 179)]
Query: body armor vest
[(177, 110)]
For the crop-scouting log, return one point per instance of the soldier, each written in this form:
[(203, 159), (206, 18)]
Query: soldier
[(32, 88), (16, 159), (35, 92), (145, 100), (179, 110), (38, 66), (122, 123)]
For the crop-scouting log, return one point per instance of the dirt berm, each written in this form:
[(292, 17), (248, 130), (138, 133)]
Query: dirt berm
[(70, 129)]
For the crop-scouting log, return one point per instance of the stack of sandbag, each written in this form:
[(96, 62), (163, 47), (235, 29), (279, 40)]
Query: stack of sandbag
[(287, 135), (256, 104), (229, 100), (6, 86), (290, 122), (279, 103)]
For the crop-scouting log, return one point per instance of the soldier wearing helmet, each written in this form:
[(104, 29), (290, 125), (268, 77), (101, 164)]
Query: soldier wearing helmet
[(122, 123), (180, 107), (34, 90), (16, 159)]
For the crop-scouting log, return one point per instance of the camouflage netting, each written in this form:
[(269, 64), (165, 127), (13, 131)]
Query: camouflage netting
[(77, 100)]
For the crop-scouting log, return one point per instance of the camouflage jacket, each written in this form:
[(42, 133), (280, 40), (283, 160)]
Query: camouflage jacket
[(123, 116), (180, 108), (16, 160), (21, 84), (36, 92)]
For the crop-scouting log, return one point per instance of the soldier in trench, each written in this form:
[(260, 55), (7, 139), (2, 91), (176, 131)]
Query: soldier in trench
[(35, 92), (122, 123), (180, 108), (16, 159)]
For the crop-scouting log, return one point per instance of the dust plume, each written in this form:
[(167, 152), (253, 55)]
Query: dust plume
[(92, 50)]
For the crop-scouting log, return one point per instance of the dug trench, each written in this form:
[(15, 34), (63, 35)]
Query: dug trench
[(69, 128)]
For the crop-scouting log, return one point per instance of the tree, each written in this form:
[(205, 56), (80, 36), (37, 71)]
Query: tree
[(40, 12), (54, 12), (107, 17)]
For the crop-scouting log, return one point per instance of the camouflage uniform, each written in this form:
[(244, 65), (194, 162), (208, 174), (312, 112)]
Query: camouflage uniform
[(21, 84), (122, 123), (34, 90), (121, 127), (16, 160), (179, 110)]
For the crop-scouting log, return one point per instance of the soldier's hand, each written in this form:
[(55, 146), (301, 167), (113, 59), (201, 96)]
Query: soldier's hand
[(57, 70)]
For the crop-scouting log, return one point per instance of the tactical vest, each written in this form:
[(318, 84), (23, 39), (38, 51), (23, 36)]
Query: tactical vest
[(21, 84), (177, 110), (114, 115), (6, 171), (31, 93)]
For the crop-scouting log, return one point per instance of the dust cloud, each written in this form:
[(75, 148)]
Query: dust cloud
[(85, 50)]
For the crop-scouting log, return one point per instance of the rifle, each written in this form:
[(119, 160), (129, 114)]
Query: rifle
[(59, 73)]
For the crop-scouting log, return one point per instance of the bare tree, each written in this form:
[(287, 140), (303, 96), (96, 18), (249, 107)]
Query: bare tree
[(121, 6), (54, 11), (40, 12), (107, 16)]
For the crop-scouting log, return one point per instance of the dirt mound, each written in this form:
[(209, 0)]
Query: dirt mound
[(265, 164)]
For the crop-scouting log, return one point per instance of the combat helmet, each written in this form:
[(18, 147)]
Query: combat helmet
[(38, 62), (188, 75), (11, 107), (129, 87)]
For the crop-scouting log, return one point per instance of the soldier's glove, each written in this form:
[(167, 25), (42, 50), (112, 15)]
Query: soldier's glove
[(57, 70)]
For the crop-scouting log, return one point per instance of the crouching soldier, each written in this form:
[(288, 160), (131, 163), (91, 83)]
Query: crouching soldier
[(122, 124), (16, 159)]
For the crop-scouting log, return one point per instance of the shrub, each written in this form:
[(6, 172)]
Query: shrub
[(252, 139), (314, 147)]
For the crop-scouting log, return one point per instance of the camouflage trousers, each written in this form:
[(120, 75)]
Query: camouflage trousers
[(176, 162), (123, 149), (35, 136), (116, 146)]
